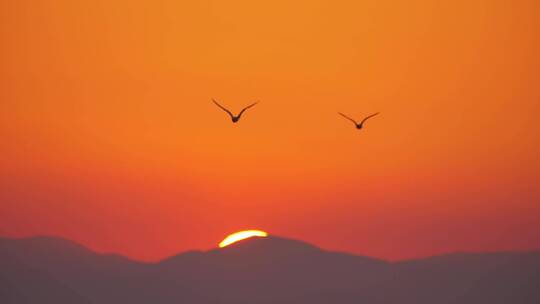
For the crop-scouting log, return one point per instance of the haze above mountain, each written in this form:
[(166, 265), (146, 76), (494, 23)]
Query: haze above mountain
[(260, 270)]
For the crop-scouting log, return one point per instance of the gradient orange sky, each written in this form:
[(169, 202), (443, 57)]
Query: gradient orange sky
[(109, 137)]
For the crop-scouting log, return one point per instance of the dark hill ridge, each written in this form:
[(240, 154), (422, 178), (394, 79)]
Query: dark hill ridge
[(260, 270), (271, 249)]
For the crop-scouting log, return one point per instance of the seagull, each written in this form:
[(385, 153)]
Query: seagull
[(234, 118), (361, 124)]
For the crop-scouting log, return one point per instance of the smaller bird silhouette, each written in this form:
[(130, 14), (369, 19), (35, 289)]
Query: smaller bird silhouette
[(234, 118), (359, 125)]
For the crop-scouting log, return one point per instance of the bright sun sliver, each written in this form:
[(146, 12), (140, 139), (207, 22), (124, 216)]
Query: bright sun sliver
[(241, 235)]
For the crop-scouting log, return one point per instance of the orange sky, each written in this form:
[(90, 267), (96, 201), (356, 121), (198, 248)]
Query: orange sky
[(108, 135)]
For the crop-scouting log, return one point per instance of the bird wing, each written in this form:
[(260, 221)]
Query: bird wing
[(244, 109), (364, 120), (222, 107), (347, 117)]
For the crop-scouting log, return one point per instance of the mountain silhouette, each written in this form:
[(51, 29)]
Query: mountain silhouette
[(260, 270)]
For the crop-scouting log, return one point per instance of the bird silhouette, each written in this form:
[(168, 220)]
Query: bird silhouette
[(234, 118), (359, 125)]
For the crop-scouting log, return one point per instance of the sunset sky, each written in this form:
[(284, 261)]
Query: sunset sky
[(109, 137)]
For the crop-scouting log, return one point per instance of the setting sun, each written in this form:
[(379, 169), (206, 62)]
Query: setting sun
[(241, 235)]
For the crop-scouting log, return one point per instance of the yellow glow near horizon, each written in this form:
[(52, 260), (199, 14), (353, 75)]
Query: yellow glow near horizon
[(241, 235)]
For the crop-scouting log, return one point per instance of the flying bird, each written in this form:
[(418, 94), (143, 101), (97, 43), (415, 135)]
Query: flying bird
[(359, 125), (234, 118)]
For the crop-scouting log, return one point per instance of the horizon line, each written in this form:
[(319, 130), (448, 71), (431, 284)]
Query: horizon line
[(389, 261)]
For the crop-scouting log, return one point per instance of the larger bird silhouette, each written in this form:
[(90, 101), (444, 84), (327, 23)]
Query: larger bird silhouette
[(234, 118), (359, 125)]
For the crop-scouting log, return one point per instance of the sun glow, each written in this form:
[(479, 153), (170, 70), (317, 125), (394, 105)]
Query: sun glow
[(241, 235)]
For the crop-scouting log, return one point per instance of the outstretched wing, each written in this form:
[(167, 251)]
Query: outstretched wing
[(347, 117), (244, 109), (364, 120), (222, 107)]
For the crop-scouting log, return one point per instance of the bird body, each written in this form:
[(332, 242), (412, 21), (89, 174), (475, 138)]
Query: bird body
[(234, 118)]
